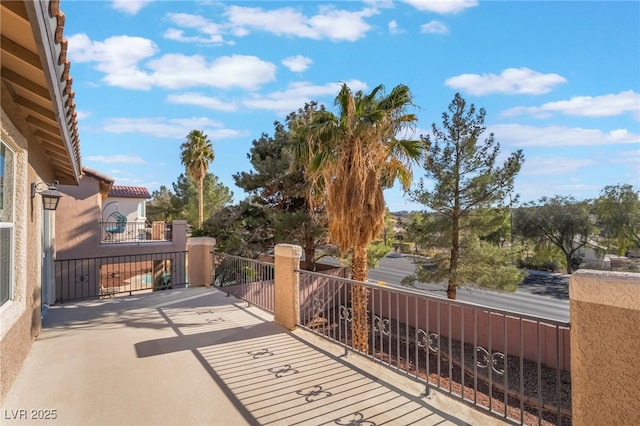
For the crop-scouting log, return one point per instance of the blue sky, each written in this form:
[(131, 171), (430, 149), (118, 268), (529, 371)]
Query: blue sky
[(559, 80)]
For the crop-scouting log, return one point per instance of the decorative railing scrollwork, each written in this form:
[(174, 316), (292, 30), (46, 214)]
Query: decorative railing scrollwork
[(431, 340), (381, 325), (346, 313), (495, 360)]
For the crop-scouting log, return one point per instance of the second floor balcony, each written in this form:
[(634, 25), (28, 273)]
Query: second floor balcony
[(134, 232), (196, 357)]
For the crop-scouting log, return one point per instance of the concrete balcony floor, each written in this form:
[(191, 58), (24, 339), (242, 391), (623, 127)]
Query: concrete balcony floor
[(196, 357)]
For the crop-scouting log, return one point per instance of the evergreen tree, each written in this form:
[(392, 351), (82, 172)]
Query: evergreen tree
[(277, 185), (466, 180)]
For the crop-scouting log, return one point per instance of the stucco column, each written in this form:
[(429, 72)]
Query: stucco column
[(605, 343), (287, 289), (200, 261)]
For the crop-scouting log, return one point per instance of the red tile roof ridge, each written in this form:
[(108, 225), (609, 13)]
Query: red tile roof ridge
[(129, 192)]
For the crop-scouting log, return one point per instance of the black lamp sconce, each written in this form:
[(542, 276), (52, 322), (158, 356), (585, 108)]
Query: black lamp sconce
[(50, 196)]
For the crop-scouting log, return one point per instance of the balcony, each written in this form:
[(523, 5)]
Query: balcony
[(196, 356), (134, 232)]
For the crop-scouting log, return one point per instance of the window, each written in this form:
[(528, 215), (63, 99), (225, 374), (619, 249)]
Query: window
[(142, 211), (6, 222)]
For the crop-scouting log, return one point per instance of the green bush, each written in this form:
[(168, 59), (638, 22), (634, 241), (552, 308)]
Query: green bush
[(544, 258)]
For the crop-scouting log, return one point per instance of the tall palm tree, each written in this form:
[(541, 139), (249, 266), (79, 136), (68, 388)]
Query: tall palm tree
[(197, 154), (351, 157)]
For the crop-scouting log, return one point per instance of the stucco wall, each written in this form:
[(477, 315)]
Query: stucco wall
[(126, 206), (78, 229), (605, 347), (20, 317), (78, 217)]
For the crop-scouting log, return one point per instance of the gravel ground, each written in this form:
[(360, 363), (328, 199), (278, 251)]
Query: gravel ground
[(449, 371)]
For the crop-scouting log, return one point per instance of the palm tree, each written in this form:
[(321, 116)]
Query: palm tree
[(197, 154), (351, 157)]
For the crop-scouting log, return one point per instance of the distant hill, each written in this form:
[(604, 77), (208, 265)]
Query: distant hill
[(403, 214)]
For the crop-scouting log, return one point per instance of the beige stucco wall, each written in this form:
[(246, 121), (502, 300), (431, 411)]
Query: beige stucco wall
[(605, 347), (126, 206), (20, 317), (78, 229), (78, 214)]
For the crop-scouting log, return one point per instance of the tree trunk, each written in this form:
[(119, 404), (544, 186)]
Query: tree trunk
[(455, 254), (200, 203), (309, 249), (359, 301), (568, 257)]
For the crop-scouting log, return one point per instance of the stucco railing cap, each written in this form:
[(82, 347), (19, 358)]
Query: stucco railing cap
[(288, 250), (201, 241), (618, 289)]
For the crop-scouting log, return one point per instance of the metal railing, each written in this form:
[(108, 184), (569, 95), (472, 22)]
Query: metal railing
[(135, 232), (110, 275), (246, 279), (514, 365)]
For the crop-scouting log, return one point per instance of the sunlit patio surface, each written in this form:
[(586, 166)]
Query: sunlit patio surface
[(197, 357)]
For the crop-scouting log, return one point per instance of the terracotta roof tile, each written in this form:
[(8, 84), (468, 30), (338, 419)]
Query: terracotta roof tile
[(72, 115), (129, 192)]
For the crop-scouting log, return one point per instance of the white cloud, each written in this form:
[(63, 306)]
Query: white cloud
[(117, 57), (631, 156), (121, 59), (540, 187), (175, 71), (434, 27), (442, 6), (297, 63), (116, 159), (586, 106), (393, 27), (117, 51), (379, 4), (539, 166), (296, 94), (330, 23), (213, 33), (81, 114), (176, 128), (198, 99), (510, 81), (130, 7), (517, 135)]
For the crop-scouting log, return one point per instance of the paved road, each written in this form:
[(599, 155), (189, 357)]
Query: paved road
[(541, 294)]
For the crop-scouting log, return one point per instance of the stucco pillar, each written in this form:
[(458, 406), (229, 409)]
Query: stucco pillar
[(179, 234), (200, 261), (287, 289), (605, 343)]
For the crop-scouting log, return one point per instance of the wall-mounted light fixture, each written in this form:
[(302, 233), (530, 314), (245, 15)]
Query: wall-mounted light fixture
[(50, 196)]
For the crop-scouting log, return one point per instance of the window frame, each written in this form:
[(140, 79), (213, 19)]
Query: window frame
[(142, 209), (7, 221)]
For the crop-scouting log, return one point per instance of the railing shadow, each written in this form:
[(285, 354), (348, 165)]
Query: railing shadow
[(273, 376)]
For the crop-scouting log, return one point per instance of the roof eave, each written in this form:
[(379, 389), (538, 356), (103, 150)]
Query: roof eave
[(49, 32)]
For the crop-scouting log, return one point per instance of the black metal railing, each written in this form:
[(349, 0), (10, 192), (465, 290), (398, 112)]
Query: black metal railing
[(514, 365), (110, 275), (135, 232), (246, 279)]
